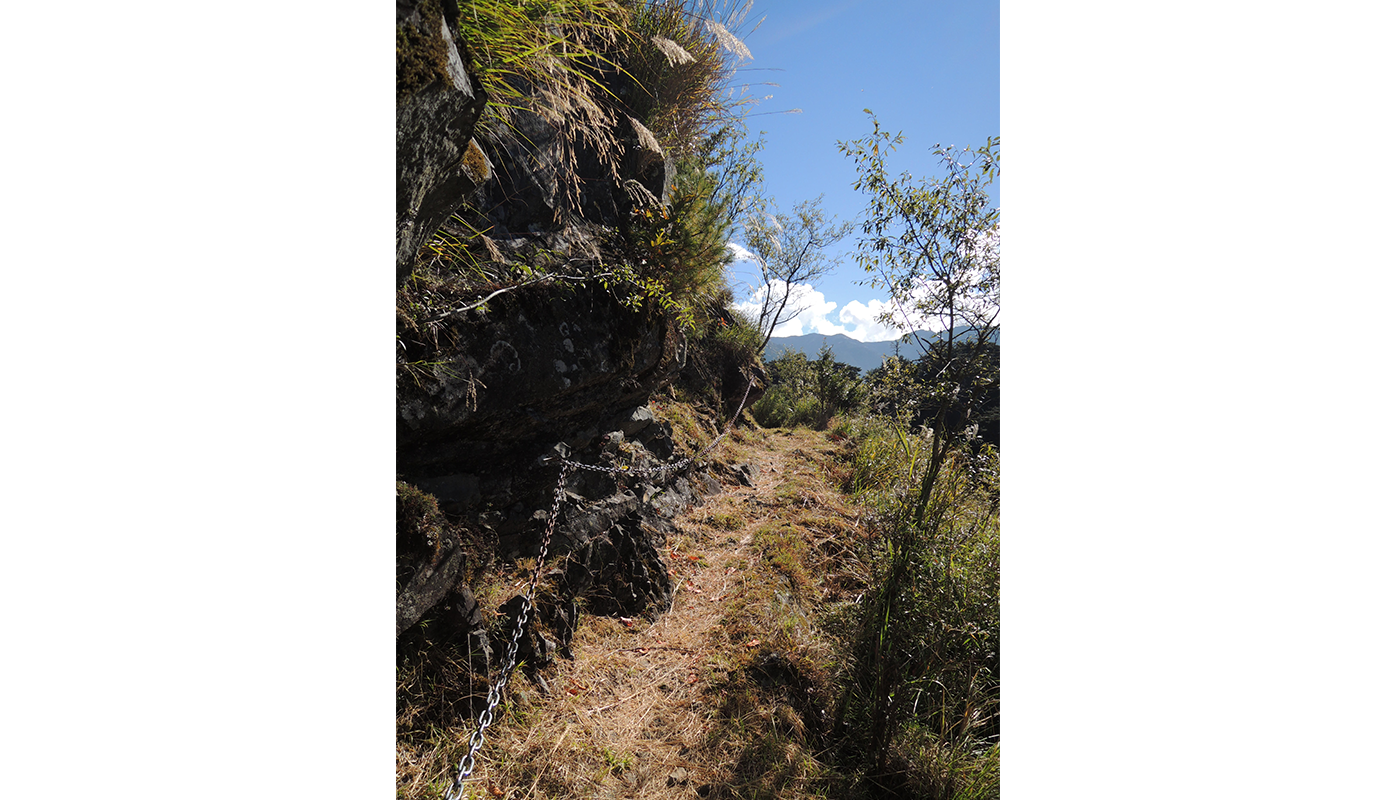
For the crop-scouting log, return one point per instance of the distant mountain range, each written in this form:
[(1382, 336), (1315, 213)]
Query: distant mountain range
[(865, 355)]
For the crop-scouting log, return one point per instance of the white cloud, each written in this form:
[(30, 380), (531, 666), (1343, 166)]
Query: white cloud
[(810, 305), (856, 320), (864, 317), (741, 253)]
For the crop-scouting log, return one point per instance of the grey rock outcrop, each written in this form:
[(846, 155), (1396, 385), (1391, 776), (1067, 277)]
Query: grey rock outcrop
[(647, 164), (527, 205), (430, 582), (621, 572), (429, 557), (539, 369), (439, 104), (460, 620)]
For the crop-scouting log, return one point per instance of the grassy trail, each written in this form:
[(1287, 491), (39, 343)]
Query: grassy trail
[(719, 695)]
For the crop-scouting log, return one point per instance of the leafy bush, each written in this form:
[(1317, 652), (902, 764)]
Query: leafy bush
[(684, 245), (956, 393), (678, 249), (893, 390), (807, 393), (788, 376)]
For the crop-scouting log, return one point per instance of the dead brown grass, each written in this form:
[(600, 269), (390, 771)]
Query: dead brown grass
[(725, 695)]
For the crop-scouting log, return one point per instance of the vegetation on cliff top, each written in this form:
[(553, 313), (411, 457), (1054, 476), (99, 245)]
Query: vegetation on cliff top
[(585, 65), (597, 73)]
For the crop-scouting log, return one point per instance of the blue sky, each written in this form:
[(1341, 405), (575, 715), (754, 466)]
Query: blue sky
[(928, 69)]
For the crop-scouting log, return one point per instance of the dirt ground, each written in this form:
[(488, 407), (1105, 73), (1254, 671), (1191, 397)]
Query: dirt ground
[(637, 713)]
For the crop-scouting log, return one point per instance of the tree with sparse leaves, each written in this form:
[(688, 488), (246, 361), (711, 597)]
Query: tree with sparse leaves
[(933, 244), (789, 250)]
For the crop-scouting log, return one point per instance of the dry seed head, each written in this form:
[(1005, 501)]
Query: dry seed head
[(644, 136), (675, 54), (728, 40)]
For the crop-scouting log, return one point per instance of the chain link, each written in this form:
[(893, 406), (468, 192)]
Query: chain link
[(493, 698), (675, 465)]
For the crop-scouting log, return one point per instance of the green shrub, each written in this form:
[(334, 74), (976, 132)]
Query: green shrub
[(775, 408), (684, 245), (807, 393), (923, 669)]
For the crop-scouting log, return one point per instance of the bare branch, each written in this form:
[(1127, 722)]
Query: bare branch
[(790, 250)]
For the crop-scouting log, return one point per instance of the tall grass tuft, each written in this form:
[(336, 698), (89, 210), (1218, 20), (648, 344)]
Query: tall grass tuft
[(741, 337), (684, 99), (675, 54), (921, 710), (548, 58), (583, 66)]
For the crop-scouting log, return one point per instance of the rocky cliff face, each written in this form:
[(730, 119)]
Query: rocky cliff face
[(540, 364), (489, 392), (439, 104)]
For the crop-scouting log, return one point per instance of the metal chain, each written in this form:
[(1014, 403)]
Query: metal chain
[(493, 697), (675, 465)]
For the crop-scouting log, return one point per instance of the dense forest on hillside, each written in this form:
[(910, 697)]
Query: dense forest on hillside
[(812, 392), (865, 355)]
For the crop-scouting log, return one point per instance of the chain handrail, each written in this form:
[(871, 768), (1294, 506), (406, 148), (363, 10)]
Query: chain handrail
[(675, 465), (493, 698)]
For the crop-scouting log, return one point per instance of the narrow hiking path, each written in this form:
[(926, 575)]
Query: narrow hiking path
[(669, 709)]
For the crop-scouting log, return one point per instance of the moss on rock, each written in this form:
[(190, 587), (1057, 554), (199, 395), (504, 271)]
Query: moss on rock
[(421, 50), (478, 167)]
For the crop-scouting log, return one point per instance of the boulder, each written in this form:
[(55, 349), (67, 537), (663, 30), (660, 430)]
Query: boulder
[(635, 420), (429, 557), (621, 573), (461, 622)]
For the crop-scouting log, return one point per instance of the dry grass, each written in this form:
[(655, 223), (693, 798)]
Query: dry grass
[(581, 66), (725, 695)]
